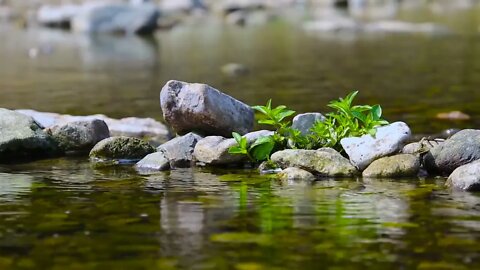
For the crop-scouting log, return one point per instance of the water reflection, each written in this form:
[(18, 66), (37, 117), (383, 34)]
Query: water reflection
[(13, 186)]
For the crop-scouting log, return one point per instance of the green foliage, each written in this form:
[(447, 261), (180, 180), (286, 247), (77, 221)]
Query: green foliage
[(347, 120)]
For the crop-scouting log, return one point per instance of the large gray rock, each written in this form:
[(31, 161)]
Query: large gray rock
[(387, 141), (22, 138), (462, 148), (179, 151), (81, 136), (213, 150), (403, 165), (153, 162), (129, 126), (305, 121), (293, 173), (324, 162), (118, 150), (203, 109), (466, 177), (104, 17)]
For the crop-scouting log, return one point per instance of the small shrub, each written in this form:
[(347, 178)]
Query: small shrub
[(346, 121)]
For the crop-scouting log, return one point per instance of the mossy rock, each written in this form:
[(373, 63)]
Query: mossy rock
[(121, 149)]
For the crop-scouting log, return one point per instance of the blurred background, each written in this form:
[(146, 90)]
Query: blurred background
[(419, 59)]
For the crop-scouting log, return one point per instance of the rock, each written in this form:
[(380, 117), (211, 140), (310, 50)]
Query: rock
[(119, 150), (131, 126), (213, 150), (462, 148), (293, 173), (57, 16), (403, 165), (388, 140), (228, 6), (420, 147), (238, 17), (80, 136), (22, 138), (400, 27), (179, 151), (466, 177), (333, 25), (99, 17), (453, 115), (268, 167), (153, 162), (324, 162), (175, 6), (234, 69), (203, 109), (305, 121)]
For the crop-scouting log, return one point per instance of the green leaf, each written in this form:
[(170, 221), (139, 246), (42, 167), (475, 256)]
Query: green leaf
[(282, 115), (237, 150), (237, 137), (262, 147), (267, 122), (376, 112), (359, 115), (261, 109)]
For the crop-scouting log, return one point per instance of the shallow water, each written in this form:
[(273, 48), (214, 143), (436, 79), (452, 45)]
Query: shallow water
[(66, 214)]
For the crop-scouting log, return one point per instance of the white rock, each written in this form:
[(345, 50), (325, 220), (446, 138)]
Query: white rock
[(388, 140)]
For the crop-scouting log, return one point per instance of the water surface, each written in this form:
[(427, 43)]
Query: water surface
[(66, 214)]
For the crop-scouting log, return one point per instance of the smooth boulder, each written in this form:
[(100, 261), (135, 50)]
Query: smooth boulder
[(403, 165), (388, 140), (324, 162), (293, 173), (462, 148), (120, 150), (22, 138), (305, 121), (213, 150), (203, 109), (79, 136), (179, 151), (466, 177), (153, 162)]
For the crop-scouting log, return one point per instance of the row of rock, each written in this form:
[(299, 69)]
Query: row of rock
[(24, 138), (207, 117), (208, 112)]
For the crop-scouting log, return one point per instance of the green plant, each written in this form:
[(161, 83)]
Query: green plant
[(347, 120)]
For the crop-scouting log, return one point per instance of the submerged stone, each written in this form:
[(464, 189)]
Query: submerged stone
[(22, 138), (403, 165), (324, 162), (293, 173), (120, 150), (200, 108), (153, 162), (179, 151), (365, 149)]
